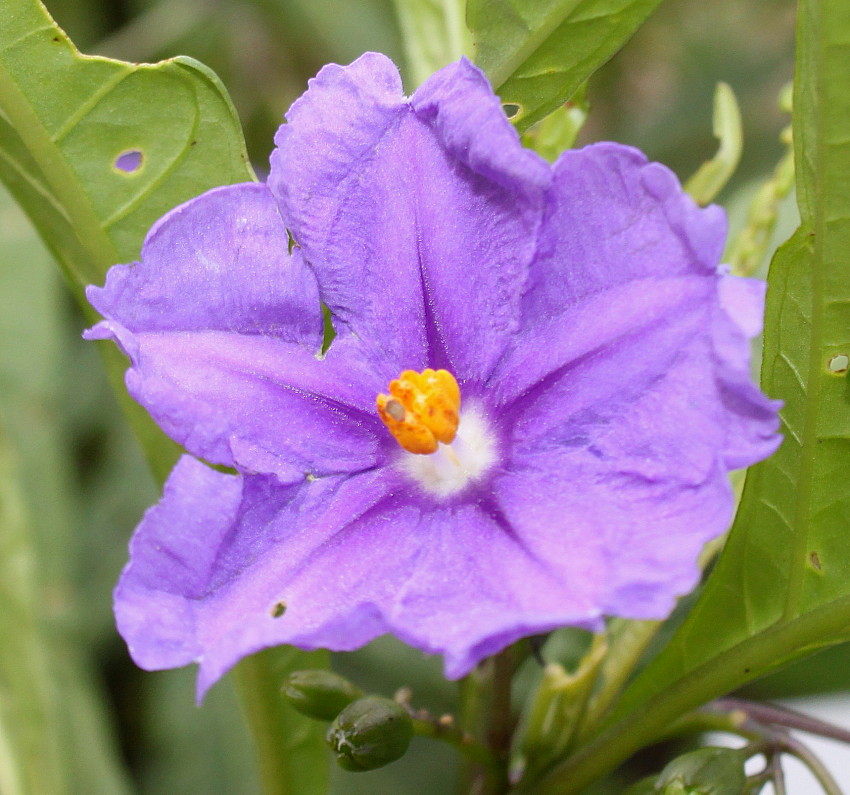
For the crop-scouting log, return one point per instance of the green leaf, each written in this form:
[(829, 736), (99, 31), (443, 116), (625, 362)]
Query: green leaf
[(434, 33), (782, 585), (828, 671), (65, 118), (538, 52)]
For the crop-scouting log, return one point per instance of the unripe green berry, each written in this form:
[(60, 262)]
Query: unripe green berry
[(370, 733), (319, 694)]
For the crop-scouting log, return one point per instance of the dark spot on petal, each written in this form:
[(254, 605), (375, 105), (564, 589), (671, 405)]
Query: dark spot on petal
[(278, 609), (814, 559), (838, 364), (510, 109), (129, 161)]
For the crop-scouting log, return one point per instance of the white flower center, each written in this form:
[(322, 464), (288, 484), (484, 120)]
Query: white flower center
[(454, 466)]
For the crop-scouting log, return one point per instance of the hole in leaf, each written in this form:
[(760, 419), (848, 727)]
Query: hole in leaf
[(838, 364), (129, 161), (511, 109), (278, 609)]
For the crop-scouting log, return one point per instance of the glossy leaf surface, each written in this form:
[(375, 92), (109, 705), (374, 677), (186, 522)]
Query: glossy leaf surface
[(538, 52), (69, 118)]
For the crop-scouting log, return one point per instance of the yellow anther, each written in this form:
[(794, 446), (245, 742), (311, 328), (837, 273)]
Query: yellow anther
[(422, 409)]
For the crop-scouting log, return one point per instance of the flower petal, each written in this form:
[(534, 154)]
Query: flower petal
[(397, 203), (217, 262), (626, 428), (653, 372), (209, 562), (222, 327), (171, 556), (333, 563), (646, 532), (752, 417), (449, 579), (613, 217)]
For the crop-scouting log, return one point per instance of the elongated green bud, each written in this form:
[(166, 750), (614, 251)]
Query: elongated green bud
[(319, 694), (370, 733), (708, 771)]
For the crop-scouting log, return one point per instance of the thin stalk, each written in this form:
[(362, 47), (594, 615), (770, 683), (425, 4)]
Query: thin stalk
[(782, 716), (486, 715), (627, 643), (794, 747), (445, 730), (472, 694), (777, 775), (502, 720)]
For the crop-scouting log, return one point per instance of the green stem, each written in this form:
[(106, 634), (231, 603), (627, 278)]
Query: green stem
[(486, 715), (446, 731), (473, 700), (627, 643), (782, 716), (502, 721), (642, 725), (816, 767), (289, 748), (777, 775)]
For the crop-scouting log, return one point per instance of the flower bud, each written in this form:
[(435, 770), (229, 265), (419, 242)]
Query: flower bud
[(319, 694), (370, 733), (708, 771)]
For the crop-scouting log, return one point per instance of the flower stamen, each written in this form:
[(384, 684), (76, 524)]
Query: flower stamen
[(422, 409)]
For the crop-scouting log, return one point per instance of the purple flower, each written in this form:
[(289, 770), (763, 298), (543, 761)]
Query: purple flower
[(601, 357)]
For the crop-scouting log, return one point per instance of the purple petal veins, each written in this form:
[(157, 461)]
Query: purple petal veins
[(601, 352)]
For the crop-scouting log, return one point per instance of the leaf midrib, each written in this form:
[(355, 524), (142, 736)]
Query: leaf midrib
[(58, 175), (802, 513), (551, 22)]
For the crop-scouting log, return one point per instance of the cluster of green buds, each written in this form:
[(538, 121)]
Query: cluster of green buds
[(366, 732)]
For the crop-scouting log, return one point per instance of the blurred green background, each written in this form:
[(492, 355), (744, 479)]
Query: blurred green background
[(76, 482)]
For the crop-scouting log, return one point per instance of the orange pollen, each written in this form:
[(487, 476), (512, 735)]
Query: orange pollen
[(422, 409)]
